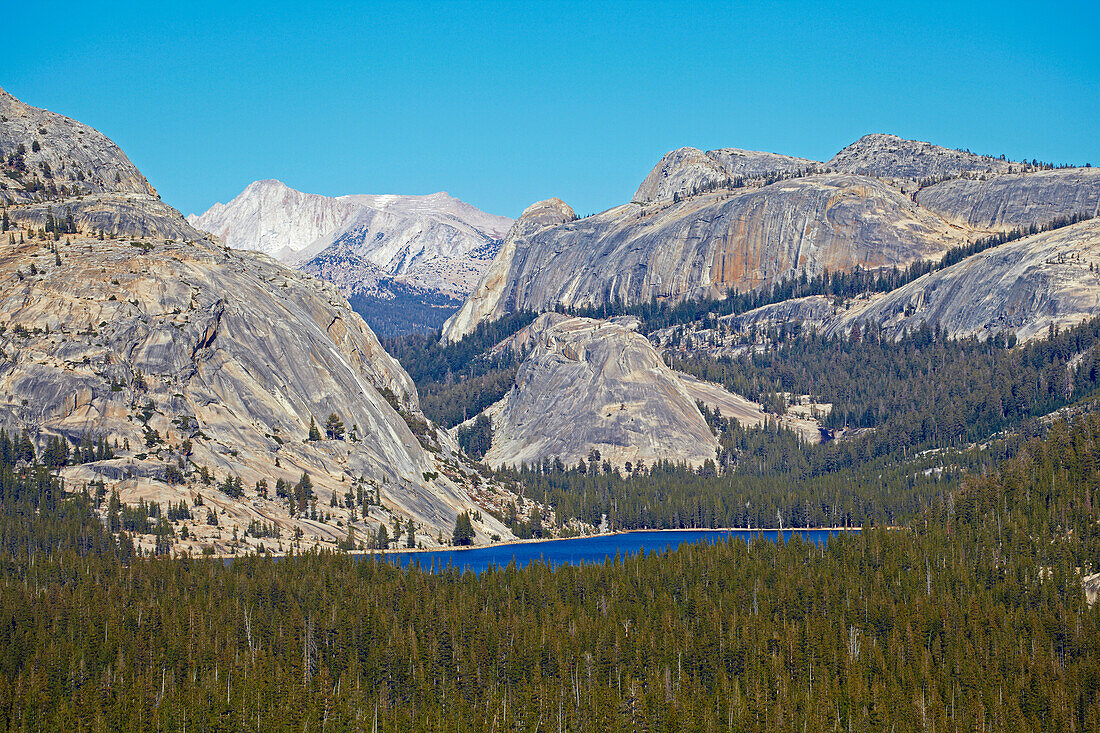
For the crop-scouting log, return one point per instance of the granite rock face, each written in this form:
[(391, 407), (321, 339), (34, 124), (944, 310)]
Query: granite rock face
[(1017, 200), (129, 214), (587, 384), (58, 151), (889, 156), (1021, 287), (484, 302), (703, 223), (705, 245), (55, 167), (227, 350), (688, 171), (185, 353)]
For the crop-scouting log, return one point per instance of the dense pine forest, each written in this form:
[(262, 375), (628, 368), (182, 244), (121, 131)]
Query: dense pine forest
[(971, 617), (923, 391)]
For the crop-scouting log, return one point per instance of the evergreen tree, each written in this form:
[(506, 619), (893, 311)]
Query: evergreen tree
[(464, 530), (334, 427)]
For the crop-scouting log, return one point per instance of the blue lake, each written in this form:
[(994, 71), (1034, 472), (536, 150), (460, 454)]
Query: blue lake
[(588, 549)]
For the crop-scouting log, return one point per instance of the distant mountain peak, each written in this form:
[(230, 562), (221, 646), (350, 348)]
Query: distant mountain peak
[(371, 246)]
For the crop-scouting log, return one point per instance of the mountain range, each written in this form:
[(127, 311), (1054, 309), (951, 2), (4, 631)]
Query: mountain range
[(890, 233), (387, 253), (704, 224)]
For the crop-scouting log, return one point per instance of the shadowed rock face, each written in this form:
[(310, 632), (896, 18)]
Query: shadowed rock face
[(705, 245), (1019, 200), (889, 156), (687, 171), (588, 384)]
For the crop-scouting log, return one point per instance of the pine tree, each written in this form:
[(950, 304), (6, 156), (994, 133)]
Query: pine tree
[(464, 530), (334, 427), (314, 433)]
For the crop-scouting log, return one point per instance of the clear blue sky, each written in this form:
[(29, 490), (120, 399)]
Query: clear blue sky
[(503, 104)]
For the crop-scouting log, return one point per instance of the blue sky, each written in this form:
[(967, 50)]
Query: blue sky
[(503, 104)]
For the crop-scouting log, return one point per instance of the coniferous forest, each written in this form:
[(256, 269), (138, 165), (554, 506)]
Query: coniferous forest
[(970, 616)]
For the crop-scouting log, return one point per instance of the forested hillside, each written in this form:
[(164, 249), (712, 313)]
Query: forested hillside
[(970, 617)]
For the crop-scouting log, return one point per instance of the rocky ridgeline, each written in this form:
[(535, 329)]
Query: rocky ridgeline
[(57, 169), (42, 148), (703, 245), (688, 171), (435, 243), (889, 156), (704, 223)]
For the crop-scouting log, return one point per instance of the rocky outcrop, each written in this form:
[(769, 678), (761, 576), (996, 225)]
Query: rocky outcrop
[(43, 150), (229, 351), (484, 302), (588, 384), (1018, 200), (55, 169), (705, 245), (889, 156), (433, 243), (688, 171), (129, 214), (1021, 287)]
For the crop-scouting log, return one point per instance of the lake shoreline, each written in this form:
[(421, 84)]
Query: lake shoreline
[(616, 533)]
